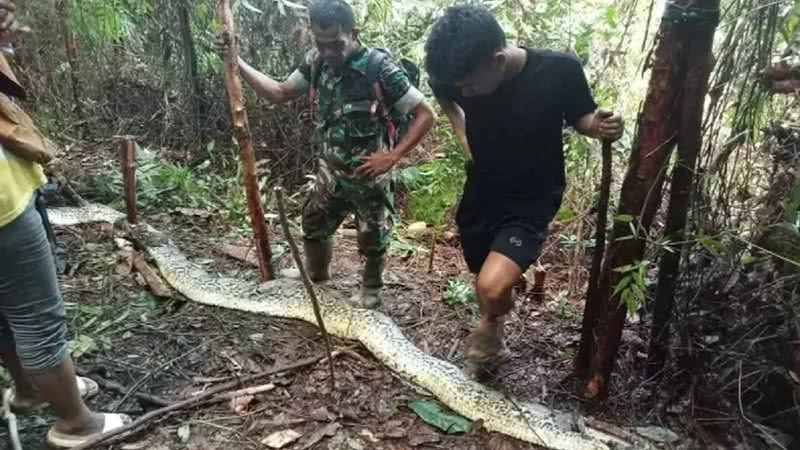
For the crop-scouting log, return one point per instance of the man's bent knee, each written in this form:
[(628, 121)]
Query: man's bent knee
[(494, 296)]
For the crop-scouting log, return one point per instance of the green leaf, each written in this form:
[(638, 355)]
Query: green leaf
[(81, 345), (611, 16), (431, 412), (624, 218), (565, 215), (459, 293)]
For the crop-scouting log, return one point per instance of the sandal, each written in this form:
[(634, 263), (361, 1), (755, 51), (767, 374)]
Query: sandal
[(57, 439), (87, 387)]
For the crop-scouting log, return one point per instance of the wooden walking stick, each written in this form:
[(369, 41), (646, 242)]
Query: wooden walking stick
[(306, 281), (241, 129), (127, 157)]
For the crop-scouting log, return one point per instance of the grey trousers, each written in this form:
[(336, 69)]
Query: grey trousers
[(32, 316)]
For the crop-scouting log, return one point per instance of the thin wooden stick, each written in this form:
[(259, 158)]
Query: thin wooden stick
[(434, 235), (246, 391), (210, 394), (120, 389), (241, 129), (11, 422), (306, 280), (158, 369), (127, 157), (157, 286)]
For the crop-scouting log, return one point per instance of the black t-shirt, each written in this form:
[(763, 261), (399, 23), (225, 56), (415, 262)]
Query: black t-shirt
[(515, 134)]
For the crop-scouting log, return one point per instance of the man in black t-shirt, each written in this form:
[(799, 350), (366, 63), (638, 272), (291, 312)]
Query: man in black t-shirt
[(508, 106)]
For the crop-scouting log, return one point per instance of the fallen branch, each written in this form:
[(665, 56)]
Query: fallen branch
[(11, 422), (67, 189), (200, 398), (241, 129), (246, 391), (306, 281), (120, 389), (158, 369), (157, 285), (433, 250), (244, 254)]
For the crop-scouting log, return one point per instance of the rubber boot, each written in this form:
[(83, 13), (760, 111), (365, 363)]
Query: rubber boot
[(372, 284), (318, 255)]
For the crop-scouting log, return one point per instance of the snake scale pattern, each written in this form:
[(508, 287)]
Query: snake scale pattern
[(288, 299)]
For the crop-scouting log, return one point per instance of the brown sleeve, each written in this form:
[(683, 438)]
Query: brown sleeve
[(8, 81)]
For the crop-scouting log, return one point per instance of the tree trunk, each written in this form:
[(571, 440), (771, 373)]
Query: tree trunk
[(72, 55), (690, 141), (190, 59), (640, 196), (241, 129)]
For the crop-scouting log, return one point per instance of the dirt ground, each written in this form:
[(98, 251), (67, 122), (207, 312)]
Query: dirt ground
[(171, 348)]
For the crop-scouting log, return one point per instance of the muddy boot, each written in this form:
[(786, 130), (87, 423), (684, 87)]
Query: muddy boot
[(485, 351), (318, 255), (370, 295)]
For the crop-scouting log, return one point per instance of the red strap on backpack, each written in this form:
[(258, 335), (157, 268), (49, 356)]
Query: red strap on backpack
[(383, 113)]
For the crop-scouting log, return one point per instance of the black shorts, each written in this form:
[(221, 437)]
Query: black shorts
[(512, 226)]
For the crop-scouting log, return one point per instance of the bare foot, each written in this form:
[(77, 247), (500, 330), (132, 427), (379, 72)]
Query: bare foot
[(485, 348)]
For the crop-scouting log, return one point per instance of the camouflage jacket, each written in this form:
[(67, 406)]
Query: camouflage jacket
[(346, 129)]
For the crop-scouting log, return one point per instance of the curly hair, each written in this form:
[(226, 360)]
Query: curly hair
[(462, 39), (332, 12)]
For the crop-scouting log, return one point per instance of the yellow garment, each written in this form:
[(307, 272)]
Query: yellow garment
[(18, 179)]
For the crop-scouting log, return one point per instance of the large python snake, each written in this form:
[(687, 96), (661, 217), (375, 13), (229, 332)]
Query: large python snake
[(288, 299)]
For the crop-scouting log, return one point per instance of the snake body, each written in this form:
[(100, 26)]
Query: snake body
[(288, 299)]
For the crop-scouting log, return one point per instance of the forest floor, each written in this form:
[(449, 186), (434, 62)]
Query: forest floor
[(172, 348)]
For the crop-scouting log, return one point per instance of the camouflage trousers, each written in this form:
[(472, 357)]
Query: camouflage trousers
[(335, 195)]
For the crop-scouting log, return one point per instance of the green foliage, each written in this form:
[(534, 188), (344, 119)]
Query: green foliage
[(399, 246), (790, 22), (434, 187), (81, 345), (159, 186), (459, 293), (565, 310), (571, 240), (106, 21), (565, 215), (792, 206), (632, 287), (163, 186), (713, 244)]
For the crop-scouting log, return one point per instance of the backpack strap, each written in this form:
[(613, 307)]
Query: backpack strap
[(312, 85), (374, 65)]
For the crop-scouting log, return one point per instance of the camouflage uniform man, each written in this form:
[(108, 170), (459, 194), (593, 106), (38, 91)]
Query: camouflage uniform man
[(355, 166)]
